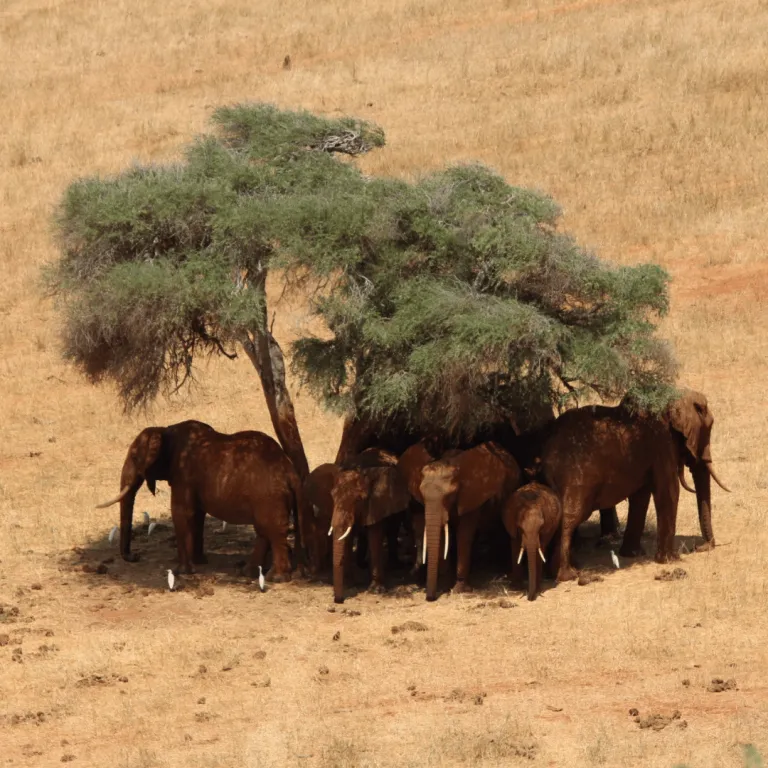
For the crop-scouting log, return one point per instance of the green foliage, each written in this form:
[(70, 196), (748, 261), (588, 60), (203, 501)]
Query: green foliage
[(449, 302)]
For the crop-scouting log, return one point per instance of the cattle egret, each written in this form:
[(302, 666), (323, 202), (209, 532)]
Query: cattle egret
[(151, 528), (146, 518), (262, 587), (223, 526), (112, 534), (615, 560), (171, 580)]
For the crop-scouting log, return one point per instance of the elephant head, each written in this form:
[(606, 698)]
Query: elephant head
[(690, 417), (460, 485), (363, 497), (147, 461)]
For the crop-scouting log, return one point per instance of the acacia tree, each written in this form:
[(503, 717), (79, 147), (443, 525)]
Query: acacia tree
[(450, 302)]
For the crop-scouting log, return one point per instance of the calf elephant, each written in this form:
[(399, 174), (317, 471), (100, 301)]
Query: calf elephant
[(532, 516), (594, 457), (240, 478), (454, 490), (364, 498)]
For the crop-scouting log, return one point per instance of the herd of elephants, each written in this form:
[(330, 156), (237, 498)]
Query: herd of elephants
[(395, 490)]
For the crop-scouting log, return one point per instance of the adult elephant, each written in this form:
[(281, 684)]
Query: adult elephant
[(364, 498), (597, 456), (317, 492), (455, 490), (241, 478)]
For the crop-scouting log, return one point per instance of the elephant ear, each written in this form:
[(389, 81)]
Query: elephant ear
[(148, 446), (387, 495), (484, 473), (690, 415)]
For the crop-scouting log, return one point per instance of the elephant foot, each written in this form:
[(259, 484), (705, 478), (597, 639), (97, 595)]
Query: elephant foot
[(631, 551), (377, 589), (666, 557), (567, 573), (338, 600), (186, 569), (132, 558), (300, 572), (461, 586), (608, 541), (706, 546), (200, 560), (274, 577)]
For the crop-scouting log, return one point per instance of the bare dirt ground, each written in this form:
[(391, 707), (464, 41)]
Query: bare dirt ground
[(646, 120)]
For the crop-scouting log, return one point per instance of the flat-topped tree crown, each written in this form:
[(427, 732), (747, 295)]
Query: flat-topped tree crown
[(449, 301)]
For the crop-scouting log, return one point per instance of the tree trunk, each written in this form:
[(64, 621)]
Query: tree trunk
[(703, 485), (354, 439), (267, 358)]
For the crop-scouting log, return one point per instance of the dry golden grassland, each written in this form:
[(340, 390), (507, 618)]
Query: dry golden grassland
[(647, 121)]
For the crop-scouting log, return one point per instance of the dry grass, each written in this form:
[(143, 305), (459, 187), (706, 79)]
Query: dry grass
[(646, 120)]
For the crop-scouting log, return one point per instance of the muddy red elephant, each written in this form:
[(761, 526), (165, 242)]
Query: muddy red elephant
[(596, 456), (243, 478), (456, 491), (532, 516)]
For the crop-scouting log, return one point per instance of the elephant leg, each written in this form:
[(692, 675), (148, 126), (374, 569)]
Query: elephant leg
[(609, 522), (573, 515), (465, 535), (553, 557), (376, 556), (198, 529), (392, 527), (361, 555), (183, 524), (417, 522), (260, 545), (665, 499), (638, 510)]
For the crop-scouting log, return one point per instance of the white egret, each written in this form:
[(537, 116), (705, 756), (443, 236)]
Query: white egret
[(615, 560), (223, 526), (262, 586), (146, 518), (171, 580), (112, 534), (151, 528)]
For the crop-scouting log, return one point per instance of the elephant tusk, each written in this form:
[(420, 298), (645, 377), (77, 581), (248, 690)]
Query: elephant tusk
[(716, 478), (683, 481), (445, 552), (520, 556), (345, 534), (541, 555), (117, 498), (424, 550), (330, 531)]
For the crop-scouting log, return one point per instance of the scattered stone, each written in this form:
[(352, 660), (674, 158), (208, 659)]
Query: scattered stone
[(122, 679), (260, 655), (409, 626), (202, 669), (36, 586), (201, 700), (337, 635), (674, 575), (262, 682), (203, 717), (504, 603), (686, 683), (350, 612), (67, 758), (633, 712), (479, 698), (718, 685), (331, 609), (657, 722), (589, 578), (4, 639), (324, 670), (16, 655), (560, 709)]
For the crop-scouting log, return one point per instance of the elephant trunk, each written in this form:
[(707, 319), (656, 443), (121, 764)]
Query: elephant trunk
[(703, 485), (126, 522), (432, 534), (532, 550), (339, 550)]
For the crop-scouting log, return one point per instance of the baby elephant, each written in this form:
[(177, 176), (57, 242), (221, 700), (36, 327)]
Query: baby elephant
[(532, 516)]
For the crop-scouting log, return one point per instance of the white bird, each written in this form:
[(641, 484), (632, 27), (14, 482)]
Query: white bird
[(615, 560), (223, 526), (151, 528), (262, 587), (112, 534), (146, 518), (171, 580)]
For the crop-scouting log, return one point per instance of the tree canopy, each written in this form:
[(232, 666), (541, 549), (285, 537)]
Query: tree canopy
[(449, 301)]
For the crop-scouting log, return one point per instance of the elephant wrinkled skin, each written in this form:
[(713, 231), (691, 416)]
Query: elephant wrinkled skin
[(596, 456), (243, 478)]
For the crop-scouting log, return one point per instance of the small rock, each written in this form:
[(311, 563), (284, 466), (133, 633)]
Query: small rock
[(263, 682), (478, 699), (201, 700), (122, 679), (673, 575), (324, 670), (686, 683), (337, 635), (331, 609), (633, 712), (350, 612), (260, 655), (504, 603), (558, 709), (202, 669), (36, 586), (67, 758), (682, 724), (16, 655), (718, 685), (589, 578), (4, 639)]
